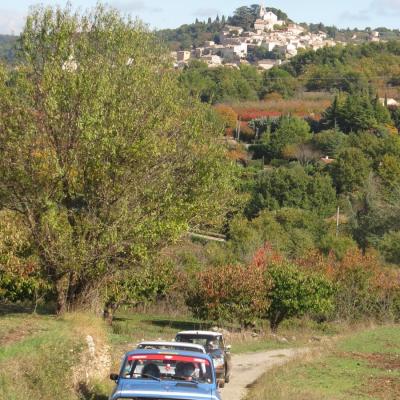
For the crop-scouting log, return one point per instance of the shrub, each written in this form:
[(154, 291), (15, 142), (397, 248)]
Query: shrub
[(246, 133), (233, 293), (294, 293), (390, 247), (228, 115), (365, 289), (339, 246), (17, 287), (230, 293), (356, 298), (329, 142)]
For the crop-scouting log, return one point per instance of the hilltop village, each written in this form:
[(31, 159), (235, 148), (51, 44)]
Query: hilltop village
[(280, 39)]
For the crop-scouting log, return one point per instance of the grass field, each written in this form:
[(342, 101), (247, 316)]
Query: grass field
[(363, 366)]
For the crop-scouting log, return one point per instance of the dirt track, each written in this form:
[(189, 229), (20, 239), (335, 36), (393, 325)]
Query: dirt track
[(247, 368)]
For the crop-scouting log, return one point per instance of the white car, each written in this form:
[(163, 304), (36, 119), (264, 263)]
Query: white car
[(214, 344)]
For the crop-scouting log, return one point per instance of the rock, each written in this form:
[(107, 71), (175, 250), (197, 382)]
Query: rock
[(91, 345)]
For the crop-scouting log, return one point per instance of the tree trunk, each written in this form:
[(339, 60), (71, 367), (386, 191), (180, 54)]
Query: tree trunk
[(275, 320), (62, 285), (109, 311)]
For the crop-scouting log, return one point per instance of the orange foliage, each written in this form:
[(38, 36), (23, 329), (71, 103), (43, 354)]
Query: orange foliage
[(336, 270), (227, 114), (276, 107)]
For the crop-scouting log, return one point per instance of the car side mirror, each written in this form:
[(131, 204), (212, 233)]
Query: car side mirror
[(114, 377)]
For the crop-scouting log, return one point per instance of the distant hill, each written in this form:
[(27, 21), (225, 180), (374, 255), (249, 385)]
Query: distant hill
[(7, 48), (195, 34)]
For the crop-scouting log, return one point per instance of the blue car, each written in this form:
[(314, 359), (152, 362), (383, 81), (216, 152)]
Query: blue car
[(165, 374)]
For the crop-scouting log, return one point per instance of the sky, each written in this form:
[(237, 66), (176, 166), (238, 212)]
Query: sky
[(172, 13)]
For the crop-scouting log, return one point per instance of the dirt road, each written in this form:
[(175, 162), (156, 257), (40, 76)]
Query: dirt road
[(248, 367)]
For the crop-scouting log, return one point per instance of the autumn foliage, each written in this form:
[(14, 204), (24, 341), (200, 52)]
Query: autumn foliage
[(355, 287)]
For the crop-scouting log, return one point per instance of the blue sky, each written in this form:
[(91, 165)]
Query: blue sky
[(172, 13)]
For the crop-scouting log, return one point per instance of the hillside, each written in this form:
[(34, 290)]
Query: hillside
[(7, 45), (192, 35)]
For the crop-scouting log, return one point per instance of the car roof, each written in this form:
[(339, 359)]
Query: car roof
[(200, 333), (166, 351), (173, 344)]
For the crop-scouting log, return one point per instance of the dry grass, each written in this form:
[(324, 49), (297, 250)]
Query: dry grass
[(311, 104)]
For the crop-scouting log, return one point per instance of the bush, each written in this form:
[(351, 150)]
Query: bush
[(293, 188), (228, 115), (364, 288), (230, 293), (350, 170), (15, 288), (294, 293), (356, 298), (339, 246), (390, 247), (329, 142)]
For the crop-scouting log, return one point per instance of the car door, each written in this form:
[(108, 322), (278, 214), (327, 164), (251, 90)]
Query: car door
[(227, 355)]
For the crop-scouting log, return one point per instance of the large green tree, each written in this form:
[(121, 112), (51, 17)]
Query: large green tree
[(350, 170), (102, 155), (292, 187)]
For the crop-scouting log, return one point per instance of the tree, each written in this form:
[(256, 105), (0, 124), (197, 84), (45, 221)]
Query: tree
[(102, 155), (244, 17), (290, 131), (329, 142), (279, 81), (228, 115), (375, 215), (294, 293), (292, 187), (389, 172), (350, 170)]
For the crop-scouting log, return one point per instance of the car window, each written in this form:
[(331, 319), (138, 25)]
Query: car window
[(167, 367), (207, 341)]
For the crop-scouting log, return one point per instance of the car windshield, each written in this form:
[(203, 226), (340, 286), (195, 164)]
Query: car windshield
[(210, 343), (162, 346), (167, 367)]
